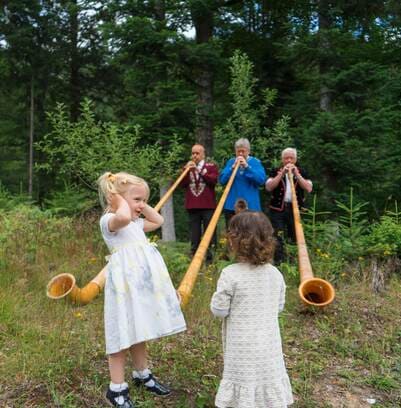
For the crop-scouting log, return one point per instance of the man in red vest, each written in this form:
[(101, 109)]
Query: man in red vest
[(200, 198)]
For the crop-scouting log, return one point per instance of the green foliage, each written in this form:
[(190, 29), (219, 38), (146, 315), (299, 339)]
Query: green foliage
[(140, 66), (83, 150), (353, 223), (9, 201), (333, 243), (171, 158), (248, 118), (314, 228), (71, 201), (147, 60), (384, 238), (177, 258), (245, 120), (358, 137), (26, 231)]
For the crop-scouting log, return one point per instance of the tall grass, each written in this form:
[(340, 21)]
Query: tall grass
[(52, 353)]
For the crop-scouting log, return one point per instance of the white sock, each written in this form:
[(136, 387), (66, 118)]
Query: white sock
[(118, 388), (142, 374)]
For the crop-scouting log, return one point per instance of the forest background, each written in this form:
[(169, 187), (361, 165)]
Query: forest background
[(90, 86), (326, 74)]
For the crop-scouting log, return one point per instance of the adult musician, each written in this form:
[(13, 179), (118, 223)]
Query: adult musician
[(200, 198), (249, 177), (280, 207)]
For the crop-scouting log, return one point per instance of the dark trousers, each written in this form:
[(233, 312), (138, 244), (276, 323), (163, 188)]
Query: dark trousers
[(283, 225), (198, 221), (228, 214)]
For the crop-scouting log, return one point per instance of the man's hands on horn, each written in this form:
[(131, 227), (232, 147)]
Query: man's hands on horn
[(190, 164), (242, 162), (289, 168)]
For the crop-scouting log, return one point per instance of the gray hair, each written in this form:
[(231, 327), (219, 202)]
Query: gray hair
[(243, 142), (289, 150)]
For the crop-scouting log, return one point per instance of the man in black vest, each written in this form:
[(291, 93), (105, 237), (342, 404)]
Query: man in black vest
[(280, 203)]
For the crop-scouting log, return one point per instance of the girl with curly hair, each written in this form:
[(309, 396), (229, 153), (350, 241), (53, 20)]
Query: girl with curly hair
[(249, 296)]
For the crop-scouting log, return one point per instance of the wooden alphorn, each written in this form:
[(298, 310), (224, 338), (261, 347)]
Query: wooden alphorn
[(188, 282), (313, 291), (64, 284)]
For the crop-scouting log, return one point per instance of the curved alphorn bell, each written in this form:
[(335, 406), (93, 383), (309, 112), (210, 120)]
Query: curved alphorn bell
[(188, 282), (64, 284), (313, 291)]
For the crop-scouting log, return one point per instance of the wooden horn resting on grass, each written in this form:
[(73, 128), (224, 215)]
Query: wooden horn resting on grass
[(313, 291), (64, 284), (188, 282)]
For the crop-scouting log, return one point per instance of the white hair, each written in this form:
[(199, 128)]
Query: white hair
[(289, 150), (243, 142)]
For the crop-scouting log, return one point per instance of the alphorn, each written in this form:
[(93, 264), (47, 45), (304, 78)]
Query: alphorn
[(188, 282), (313, 291), (170, 191), (64, 284)]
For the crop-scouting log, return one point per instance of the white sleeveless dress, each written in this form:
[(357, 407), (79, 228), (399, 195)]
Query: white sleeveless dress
[(140, 302)]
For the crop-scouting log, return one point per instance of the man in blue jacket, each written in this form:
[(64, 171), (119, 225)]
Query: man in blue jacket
[(249, 177)]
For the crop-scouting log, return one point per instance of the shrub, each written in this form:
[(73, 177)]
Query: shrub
[(71, 201), (384, 239), (25, 230), (9, 201)]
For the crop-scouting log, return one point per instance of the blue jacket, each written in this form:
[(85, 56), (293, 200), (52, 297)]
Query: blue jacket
[(246, 183)]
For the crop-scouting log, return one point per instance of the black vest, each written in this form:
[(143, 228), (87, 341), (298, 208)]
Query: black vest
[(277, 195)]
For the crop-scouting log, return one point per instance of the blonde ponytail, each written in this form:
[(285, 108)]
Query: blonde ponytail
[(117, 183)]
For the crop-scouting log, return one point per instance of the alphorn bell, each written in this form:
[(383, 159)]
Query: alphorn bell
[(188, 282), (313, 291), (64, 284)]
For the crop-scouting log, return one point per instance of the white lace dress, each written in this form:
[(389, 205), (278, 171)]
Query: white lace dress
[(140, 302), (254, 372)]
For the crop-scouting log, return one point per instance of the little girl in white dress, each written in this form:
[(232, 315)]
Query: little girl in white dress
[(250, 294), (141, 303)]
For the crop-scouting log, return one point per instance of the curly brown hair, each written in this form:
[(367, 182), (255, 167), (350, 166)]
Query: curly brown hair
[(250, 236)]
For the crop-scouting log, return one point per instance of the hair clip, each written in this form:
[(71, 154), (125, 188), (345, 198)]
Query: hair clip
[(111, 177)]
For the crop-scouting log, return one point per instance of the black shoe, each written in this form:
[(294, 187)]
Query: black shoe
[(112, 396), (157, 388)]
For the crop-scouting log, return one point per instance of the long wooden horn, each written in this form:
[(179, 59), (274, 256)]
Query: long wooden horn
[(188, 282), (170, 191), (313, 291), (64, 284)]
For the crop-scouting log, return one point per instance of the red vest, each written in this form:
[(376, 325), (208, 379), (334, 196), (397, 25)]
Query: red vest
[(199, 187)]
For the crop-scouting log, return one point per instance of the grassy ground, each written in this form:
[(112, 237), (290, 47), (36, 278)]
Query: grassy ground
[(52, 354)]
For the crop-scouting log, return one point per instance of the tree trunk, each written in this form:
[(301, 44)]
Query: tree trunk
[(324, 63), (160, 10), (167, 211), (204, 129), (203, 22), (31, 130), (75, 94)]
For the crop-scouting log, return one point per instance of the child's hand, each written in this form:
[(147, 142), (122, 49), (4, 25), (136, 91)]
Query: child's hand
[(115, 201)]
